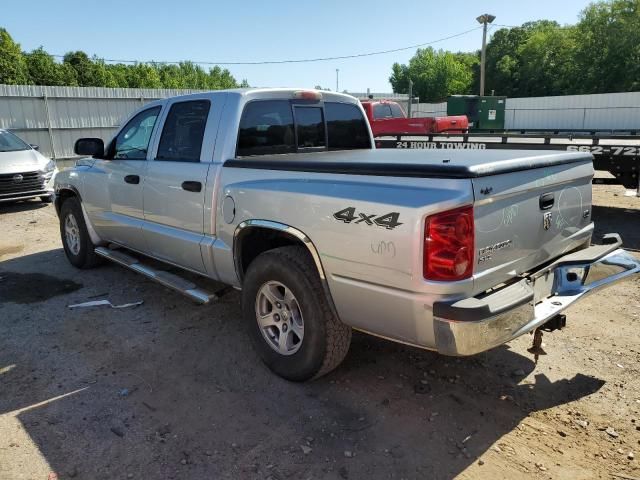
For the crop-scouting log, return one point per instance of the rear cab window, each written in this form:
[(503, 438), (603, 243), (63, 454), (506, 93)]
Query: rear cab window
[(270, 127), (382, 110), (396, 111)]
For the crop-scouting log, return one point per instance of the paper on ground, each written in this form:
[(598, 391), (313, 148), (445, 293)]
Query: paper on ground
[(99, 303)]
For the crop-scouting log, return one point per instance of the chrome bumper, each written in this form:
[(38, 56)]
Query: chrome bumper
[(477, 324)]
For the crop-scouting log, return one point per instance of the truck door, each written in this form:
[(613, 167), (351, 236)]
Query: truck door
[(174, 188), (112, 192)]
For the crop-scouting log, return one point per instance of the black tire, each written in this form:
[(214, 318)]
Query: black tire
[(85, 257), (326, 339), (46, 199)]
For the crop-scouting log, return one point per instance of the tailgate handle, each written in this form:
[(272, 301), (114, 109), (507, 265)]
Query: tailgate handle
[(546, 201)]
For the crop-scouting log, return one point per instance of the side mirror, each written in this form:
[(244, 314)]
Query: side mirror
[(89, 146), (34, 146)]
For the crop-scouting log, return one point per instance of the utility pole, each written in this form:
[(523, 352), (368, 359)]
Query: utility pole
[(337, 73), (410, 98), (484, 19)]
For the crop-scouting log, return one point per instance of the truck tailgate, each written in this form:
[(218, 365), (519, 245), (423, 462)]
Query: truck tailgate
[(526, 218)]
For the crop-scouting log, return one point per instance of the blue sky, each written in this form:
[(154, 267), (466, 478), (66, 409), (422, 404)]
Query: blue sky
[(268, 30)]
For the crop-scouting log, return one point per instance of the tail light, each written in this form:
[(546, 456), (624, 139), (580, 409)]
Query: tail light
[(449, 245)]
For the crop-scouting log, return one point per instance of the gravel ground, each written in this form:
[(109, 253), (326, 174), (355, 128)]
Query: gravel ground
[(173, 390)]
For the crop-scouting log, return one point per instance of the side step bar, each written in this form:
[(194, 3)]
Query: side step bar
[(167, 279)]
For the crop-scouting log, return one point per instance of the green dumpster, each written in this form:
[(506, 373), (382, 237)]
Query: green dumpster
[(484, 113)]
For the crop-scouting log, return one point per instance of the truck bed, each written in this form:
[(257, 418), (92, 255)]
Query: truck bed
[(413, 163)]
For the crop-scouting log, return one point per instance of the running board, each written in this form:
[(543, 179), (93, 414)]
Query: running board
[(167, 279)]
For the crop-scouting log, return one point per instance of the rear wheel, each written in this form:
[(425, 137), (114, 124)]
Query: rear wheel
[(75, 238), (289, 317)]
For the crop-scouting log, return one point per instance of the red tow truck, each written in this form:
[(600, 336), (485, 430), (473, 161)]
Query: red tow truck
[(388, 118)]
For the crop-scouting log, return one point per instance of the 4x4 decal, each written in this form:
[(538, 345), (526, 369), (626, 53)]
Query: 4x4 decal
[(388, 220)]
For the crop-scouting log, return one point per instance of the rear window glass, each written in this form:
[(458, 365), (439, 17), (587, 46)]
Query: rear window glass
[(266, 128), (381, 110), (396, 111), (346, 126), (270, 127), (310, 125)]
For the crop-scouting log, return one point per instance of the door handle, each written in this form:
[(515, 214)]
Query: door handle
[(134, 179), (546, 201), (191, 186)]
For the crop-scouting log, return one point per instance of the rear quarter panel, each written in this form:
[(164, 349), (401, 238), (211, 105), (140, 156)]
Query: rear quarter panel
[(360, 259)]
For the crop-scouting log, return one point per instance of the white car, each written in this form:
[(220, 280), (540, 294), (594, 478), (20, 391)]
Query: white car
[(24, 172)]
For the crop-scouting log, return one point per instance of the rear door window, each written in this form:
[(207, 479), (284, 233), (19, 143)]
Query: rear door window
[(346, 127), (266, 127), (183, 131), (310, 127)]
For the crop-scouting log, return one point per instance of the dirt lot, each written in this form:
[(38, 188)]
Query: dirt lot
[(172, 390)]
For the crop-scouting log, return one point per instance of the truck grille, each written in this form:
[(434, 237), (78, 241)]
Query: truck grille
[(14, 184)]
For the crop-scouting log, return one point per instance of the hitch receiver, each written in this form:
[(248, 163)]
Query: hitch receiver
[(556, 323)]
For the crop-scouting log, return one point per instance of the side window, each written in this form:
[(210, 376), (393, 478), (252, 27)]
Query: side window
[(266, 127), (133, 140), (310, 127), (396, 111), (183, 131), (381, 110), (346, 126)]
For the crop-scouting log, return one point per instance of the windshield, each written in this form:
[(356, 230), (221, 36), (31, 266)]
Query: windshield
[(10, 143)]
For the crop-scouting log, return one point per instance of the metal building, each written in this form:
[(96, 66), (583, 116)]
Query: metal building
[(606, 111), (55, 117)]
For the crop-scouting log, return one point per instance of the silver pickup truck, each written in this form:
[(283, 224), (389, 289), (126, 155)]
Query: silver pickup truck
[(282, 194)]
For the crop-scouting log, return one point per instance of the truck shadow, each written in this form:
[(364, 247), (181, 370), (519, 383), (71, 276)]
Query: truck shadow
[(624, 221), (173, 390)]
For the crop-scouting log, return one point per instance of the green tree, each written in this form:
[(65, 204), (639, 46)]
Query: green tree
[(101, 74), (13, 66), (547, 62), (220, 79), (120, 74), (142, 75), (436, 74), (43, 69), (608, 50), (82, 65), (504, 57)]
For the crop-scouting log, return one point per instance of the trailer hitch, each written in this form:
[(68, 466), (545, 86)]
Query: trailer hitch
[(558, 322)]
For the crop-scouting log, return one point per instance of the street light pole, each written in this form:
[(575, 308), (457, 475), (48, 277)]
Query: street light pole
[(484, 19), (337, 73)]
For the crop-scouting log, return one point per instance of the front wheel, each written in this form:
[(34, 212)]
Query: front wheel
[(289, 318), (75, 238)]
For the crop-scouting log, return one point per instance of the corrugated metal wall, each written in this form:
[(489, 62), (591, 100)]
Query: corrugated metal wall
[(55, 117), (607, 111)]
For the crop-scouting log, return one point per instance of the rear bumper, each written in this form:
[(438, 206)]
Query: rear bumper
[(477, 324)]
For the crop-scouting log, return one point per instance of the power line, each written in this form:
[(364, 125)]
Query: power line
[(306, 60), (520, 26)]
